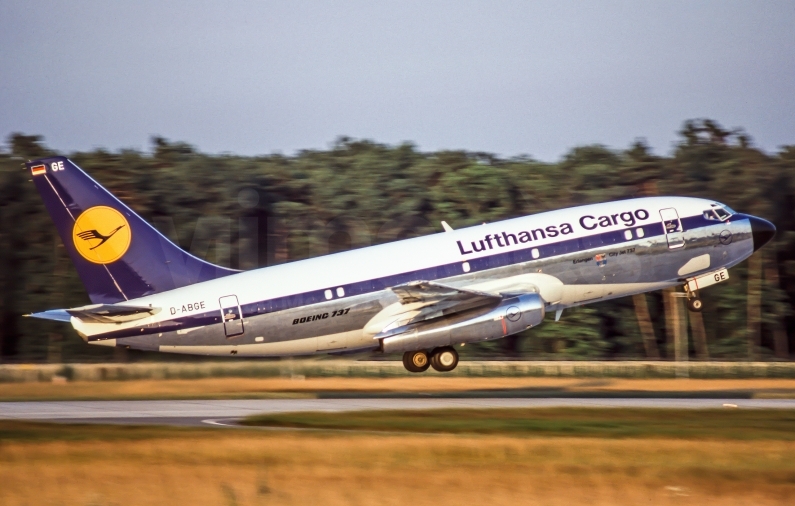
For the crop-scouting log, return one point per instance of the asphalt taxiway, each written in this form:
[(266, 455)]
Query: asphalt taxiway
[(210, 412)]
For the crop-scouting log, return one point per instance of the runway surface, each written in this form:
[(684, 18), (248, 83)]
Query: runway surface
[(219, 412)]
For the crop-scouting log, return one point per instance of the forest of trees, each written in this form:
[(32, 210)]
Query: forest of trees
[(246, 212)]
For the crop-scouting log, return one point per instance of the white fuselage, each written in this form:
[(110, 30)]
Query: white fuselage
[(571, 256)]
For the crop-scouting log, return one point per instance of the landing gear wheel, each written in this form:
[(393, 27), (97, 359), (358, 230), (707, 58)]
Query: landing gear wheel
[(416, 361), (695, 304), (444, 359)]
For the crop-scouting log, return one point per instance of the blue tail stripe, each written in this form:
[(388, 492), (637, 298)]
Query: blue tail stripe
[(151, 263)]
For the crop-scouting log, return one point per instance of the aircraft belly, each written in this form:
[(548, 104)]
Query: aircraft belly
[(351, 340), (305, 346)]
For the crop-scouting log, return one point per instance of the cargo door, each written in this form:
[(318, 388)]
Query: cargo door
[(672, 226), (232, 315)]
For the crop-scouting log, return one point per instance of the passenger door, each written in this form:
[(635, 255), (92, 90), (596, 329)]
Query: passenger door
[(672, 226), (232, 315)]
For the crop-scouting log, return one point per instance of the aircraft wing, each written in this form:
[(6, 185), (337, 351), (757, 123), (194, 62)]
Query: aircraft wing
[(429, 292), (420, 301), (98, 313)]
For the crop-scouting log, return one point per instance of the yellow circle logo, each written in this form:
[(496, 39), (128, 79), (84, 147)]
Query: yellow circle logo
[(101, 235)]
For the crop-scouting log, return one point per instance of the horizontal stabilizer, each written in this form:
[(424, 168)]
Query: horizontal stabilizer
[(108, 313), (58, 315), (98, 313)]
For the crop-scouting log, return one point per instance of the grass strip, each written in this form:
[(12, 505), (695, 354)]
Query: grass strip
[(19, 431), (561, 422), (611, 423)]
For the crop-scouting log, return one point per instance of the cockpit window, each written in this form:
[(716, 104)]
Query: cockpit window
[(718, 213), (722, 213)]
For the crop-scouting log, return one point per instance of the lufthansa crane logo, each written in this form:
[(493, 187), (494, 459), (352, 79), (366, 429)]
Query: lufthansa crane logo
[(101, 235)]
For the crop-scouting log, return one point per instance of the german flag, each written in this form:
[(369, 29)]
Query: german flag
[(38, 170)]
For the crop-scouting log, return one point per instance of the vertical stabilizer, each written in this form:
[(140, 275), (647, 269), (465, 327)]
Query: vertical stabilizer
[(118, 255)]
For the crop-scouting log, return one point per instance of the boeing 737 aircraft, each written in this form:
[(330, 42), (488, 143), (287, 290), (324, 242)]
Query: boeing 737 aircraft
[(421, 296)]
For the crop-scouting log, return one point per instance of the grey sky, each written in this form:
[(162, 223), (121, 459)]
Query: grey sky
[(507, 77)]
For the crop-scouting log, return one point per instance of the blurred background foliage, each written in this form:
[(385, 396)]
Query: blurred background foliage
[(246, 212)]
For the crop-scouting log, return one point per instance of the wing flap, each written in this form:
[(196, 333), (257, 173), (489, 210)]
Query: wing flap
[(428, 292)]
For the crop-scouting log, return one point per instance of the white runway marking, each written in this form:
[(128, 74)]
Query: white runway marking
[(227, 422)]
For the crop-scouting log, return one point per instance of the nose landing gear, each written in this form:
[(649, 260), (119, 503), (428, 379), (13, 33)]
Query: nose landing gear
[(695, 305), (694, 302), (693, 285)]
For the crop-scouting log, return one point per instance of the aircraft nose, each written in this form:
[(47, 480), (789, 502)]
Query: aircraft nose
[(762, 231)]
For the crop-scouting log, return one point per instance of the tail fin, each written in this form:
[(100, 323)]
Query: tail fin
[(118, 255)]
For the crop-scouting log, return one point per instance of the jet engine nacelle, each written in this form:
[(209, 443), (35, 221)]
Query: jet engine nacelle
[(510, 316)]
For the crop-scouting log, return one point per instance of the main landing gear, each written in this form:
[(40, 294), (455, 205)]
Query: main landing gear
[(443, 359), (416, 361)]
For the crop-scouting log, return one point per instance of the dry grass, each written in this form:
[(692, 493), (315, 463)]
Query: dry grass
[(237, 467), (285, 387)]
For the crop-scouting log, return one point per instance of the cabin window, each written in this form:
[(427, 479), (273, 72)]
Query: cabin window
[(465, 266), (340, 292), (639, 232), (328, 294), (628, 234), (535, 253)]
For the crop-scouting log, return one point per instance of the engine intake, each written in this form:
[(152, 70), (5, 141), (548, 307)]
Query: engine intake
[(510, 316)]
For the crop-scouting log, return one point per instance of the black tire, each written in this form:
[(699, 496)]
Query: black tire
[(444, 359), (416, 361), (695, 305)]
